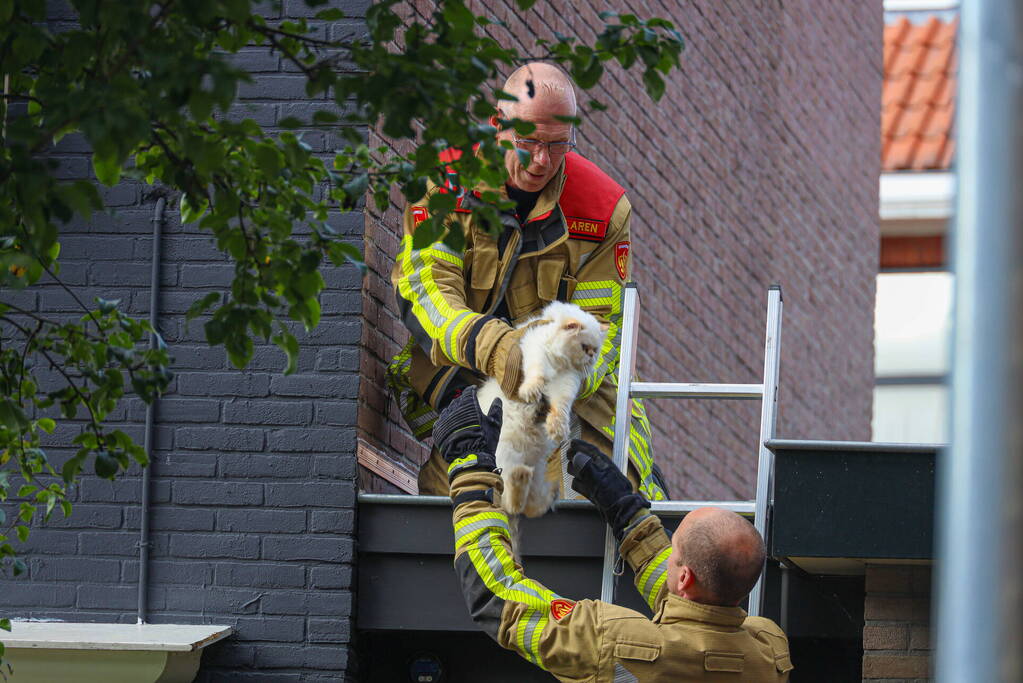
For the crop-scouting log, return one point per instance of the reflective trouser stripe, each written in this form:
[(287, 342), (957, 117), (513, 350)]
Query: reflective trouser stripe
[(639, 450)]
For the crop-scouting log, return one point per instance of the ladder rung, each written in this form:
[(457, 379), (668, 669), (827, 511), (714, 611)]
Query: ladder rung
[(670, 390), (739, 506)]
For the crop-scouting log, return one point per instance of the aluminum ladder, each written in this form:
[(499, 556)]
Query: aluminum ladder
[(767, 392)]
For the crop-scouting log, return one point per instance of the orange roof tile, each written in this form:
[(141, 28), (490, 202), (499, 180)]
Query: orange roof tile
[(919, 89)]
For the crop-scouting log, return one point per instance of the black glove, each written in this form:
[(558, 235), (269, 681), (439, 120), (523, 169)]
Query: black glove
[(595, 476), (465, 437)]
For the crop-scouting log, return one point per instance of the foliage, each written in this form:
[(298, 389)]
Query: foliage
[(263, 197)]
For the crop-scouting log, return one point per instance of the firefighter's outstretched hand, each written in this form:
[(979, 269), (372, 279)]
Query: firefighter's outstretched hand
[(465, 436), (595, 476), (505, 362)]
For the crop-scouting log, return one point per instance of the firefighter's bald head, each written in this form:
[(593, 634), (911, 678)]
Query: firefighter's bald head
[(716, 557), (544, 93)]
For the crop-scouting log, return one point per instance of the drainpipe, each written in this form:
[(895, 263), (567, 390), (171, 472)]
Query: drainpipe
[(979, 508), (154, 296)]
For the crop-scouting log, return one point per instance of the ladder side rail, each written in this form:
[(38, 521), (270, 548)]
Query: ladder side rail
[(623, 420), (768, 415)]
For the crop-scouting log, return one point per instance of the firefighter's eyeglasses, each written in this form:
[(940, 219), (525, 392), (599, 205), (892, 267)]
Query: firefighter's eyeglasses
[(555, 150)]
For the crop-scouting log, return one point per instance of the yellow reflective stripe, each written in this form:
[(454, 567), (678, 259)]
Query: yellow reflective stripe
[(602, 294), (639, 450), (459, 463), (650, 580), (417, 286), (528, 630), (468, 530)]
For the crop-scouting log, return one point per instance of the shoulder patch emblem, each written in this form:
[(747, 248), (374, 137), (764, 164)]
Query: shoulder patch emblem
[(560, 608), (584, 229), (622, 259), (419, 214)]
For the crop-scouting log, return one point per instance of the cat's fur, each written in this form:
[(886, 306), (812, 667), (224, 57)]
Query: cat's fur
[(558, 352)]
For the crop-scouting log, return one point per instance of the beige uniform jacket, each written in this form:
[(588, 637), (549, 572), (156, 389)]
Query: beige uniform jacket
[(574, 246), (590, 641)]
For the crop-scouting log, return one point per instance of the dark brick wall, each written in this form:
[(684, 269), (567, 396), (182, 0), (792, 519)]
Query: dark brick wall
[(253, 484), (897, 624), (760, 165)]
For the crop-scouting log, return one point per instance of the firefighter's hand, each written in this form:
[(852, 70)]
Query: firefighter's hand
[(505, 362), (595, 476), (465, 436)]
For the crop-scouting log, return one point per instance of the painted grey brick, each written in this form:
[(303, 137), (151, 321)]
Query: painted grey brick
[(47, 541), (259, 575), (255, 60), (262, 113), (339, 494), (283, 87), (237, 656), (341, 302), (108, 597), (38, 595), (271, 359), (329, 577), (270, 412), (317, 386), (218, 438), (94, 489), (312, 603), (276, 629), (230, 546), (169, 572), (172, 518), (170, 409), (332, 521), (188, 464), (215, 599), (214, 275), (273, 466), (74, 568), (297, 548), (223, 384), (217, 493), (96, 248), (262, 521), (190, 357), (335, 466), (108, 543), (330, 631), (84, 516), (311, 440), (325, 658), (334, 333), (345, 277), (336, 413)]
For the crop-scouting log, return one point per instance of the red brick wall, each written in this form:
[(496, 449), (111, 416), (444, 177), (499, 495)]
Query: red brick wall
[(897, 617), (760, 165)]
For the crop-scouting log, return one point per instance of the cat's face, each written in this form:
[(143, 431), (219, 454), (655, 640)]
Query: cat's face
[(579, 339)]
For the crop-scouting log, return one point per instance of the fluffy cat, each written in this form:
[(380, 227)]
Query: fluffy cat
[(558, 352)]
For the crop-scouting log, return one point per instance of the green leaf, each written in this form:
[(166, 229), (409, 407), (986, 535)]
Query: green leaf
[(332, 14), (5, 624), (46, 424), (107, 306), (525, 4), (287, 342), (18, 567), (65, 506), (654, 84), (106, 465), (6, 12), (22, 532), (12, 417), (290, 122), (202, 305), (107, 169)]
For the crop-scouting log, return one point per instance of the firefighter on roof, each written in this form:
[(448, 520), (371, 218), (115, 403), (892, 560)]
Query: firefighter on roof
[(692, 583), (568, 240)]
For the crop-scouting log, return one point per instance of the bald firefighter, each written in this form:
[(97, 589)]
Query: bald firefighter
[(693, 583), (567, 240)]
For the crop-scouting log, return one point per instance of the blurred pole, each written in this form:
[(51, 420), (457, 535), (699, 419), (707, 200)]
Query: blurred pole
[(980, 496)]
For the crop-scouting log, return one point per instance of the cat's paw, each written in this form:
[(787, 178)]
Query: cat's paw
[(539, 504), (559, 424), (531, 389), (516, 488)]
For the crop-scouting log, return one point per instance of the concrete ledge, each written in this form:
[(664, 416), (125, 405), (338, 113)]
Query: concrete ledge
[(44, 652)]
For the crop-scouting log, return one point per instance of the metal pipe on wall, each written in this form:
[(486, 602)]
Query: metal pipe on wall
[(980, 510), (154, 314)]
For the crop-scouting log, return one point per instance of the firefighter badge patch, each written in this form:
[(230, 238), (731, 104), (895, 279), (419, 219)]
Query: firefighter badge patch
[(622, 259), (560, 608), (419, 214)]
